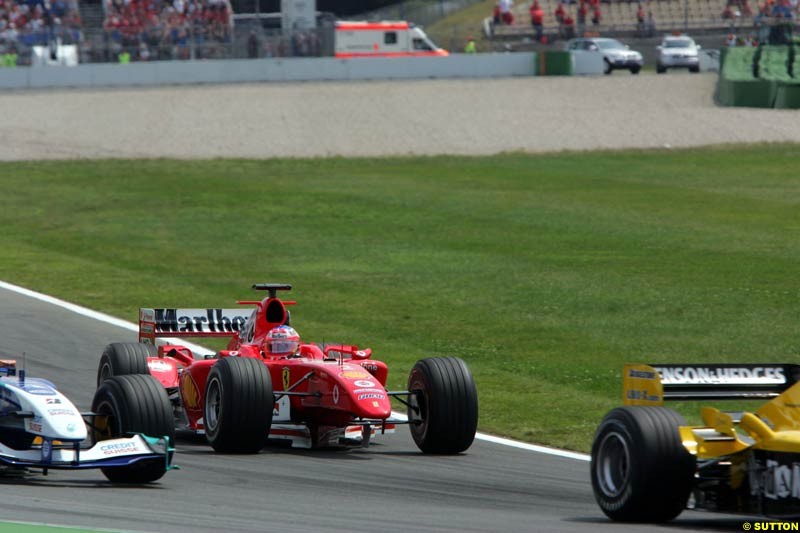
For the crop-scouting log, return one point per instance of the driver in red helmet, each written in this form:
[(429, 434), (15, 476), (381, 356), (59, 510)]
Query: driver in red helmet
[(282, 341)]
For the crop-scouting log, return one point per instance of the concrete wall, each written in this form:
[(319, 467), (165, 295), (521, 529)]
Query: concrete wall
[(258, 70)]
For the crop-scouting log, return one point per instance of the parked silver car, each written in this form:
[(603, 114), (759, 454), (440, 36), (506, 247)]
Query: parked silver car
[(615, 54), (678, 51)]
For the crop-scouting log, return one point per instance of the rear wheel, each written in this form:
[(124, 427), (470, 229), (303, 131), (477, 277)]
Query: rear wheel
[(660, 69), (694, 70), (131, 404), (123, 358), (635, 70), (238, 405), (443, 405), (640, 470)]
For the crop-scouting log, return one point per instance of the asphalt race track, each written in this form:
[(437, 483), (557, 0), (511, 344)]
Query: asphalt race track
[(388, 487)]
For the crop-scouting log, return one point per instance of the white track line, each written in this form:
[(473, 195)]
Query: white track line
[(108, 319)]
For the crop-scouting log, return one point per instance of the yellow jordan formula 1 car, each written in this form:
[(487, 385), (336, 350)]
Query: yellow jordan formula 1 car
[(648, 465)]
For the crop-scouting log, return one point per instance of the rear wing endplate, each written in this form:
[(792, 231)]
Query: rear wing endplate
[(653, 384), (165, 322)]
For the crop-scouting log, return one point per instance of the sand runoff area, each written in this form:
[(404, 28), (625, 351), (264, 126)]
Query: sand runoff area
[(381, 118)]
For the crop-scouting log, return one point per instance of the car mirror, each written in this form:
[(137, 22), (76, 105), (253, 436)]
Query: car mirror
[(699, 47)]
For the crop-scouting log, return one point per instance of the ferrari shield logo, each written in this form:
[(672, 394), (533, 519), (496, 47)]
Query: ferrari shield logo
[(286, 378)]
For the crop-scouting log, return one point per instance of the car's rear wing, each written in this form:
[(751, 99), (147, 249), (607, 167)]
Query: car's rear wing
[(154, 323), (653, 384)]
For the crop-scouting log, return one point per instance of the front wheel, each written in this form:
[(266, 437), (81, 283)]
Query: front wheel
[(635, 70), (443, 405), (640, 470), (237, 411), (131, 404), (124, 358), (694, 70), (606, 67), (660, 69)]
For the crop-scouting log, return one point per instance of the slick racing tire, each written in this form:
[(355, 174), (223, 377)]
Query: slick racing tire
[(443, 405), (133, 404), (238, 405), (640, 470), (123, 358)]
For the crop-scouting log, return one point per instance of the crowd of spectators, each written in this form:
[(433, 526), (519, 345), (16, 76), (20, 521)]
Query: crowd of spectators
[(782, 9), (577, 17), (586, 12), (142, 30), (737, 10), (27, 23)]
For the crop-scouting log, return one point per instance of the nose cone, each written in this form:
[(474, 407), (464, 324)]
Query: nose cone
[(373, 404)]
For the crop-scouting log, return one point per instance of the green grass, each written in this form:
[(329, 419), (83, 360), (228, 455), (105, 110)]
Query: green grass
[(453, 31), (545, 273)]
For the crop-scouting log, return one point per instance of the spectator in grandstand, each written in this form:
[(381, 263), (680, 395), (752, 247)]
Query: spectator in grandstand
[(640, 20), (569, 25), (537, 19), (496, 14), (560, 12), (727, 13), (597, 16), (253, 45), (583, 10), (505, 12), (650, 24)]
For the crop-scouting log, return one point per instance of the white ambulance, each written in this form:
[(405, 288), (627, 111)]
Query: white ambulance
[(382, 39)]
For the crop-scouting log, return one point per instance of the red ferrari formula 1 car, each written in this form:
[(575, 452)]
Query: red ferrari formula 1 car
[(268, 384)]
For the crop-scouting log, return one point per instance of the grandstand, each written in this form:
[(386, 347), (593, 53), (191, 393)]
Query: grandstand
[(25, 24), (623, 17)]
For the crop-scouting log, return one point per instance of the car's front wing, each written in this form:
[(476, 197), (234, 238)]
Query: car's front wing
[(105, 454)]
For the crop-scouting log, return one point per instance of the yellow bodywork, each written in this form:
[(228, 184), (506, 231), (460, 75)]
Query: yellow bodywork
[(775, 426), (641, 385)]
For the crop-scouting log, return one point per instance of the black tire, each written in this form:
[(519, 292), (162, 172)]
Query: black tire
[(133, 404), (443, 405), (124, 358), (660, 69), (694, 70), (606, 67), (640, 470), (635, 70), (237, 409)]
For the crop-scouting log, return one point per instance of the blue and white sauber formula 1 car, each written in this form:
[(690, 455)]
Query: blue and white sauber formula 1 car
[(127, 435)]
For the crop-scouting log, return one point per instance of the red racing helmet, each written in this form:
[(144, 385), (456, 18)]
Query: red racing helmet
[(281, 341)]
